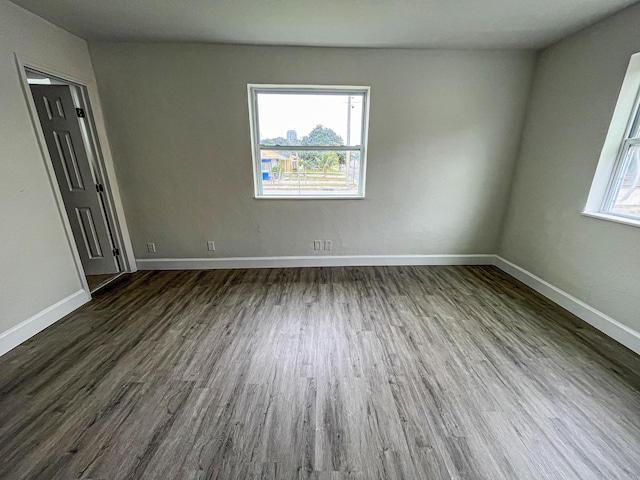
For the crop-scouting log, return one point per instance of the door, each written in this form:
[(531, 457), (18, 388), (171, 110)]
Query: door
[(80, 193)]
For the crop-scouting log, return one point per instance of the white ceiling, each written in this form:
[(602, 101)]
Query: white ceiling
[(340, 23)]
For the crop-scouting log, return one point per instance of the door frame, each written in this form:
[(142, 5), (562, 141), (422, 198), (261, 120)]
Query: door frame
[(104, 163)]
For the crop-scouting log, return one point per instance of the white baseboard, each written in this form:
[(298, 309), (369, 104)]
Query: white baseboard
[(41, 320), (310, 261), (609, 326)]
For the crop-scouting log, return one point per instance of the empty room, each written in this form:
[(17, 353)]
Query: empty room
[(320, 240)]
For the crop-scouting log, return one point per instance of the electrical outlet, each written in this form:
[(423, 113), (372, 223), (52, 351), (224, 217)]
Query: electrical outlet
[(328, 245), (151, 247), (317, 245), (211, 246)]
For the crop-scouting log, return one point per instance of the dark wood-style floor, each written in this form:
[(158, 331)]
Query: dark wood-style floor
[(94, 281), (322, 373)]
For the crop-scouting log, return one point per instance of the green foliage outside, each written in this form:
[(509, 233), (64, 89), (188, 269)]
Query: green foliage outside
[(315, 159)]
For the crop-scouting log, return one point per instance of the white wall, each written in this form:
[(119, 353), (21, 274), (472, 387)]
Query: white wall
[(36, 262), (37, 265), (574, 94), (444, 132)]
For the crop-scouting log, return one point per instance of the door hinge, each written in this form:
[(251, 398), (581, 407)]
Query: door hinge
[(80, 112), (116, 252), (99, 187)]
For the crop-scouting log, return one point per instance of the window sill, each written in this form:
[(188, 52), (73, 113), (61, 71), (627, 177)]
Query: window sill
[(613, 218), (309, 197)]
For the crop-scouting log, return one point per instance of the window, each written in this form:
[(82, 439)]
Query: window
[(624, 192), (308, 142), (615, 192)]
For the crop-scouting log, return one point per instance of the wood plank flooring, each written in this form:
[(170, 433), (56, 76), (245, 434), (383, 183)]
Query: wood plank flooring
[(320, 373)]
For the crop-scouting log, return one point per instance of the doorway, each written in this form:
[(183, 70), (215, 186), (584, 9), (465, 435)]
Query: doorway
[(65, 120)]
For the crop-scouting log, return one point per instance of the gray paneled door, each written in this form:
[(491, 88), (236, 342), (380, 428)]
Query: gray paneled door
[(61, 128)]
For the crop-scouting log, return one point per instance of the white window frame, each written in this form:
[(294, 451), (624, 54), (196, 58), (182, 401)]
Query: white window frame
[(617, 142), (254, 89)]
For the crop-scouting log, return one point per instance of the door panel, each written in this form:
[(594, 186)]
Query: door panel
[(89, 235), (69, 160), (82, 201)]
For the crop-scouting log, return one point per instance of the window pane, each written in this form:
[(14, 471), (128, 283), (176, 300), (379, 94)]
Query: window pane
[(310, 118), (635, 129), (627, 196), (309, 173)]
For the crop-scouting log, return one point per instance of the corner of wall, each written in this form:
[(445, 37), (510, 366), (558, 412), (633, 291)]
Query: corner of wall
[(516, 162)]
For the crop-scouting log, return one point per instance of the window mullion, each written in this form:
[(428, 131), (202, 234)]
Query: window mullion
[(299, 148)]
